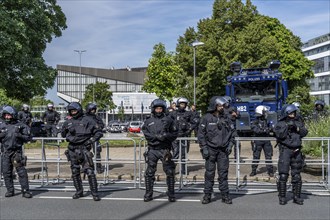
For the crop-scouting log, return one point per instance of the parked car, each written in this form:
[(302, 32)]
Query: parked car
[(135, 126), (114, 128), (124, 126)]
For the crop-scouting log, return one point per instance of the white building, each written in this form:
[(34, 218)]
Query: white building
[(318, 50)]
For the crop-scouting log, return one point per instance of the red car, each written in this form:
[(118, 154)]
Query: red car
[(135, 126)]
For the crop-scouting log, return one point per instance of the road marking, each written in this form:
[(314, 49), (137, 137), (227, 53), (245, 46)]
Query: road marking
[(116, 199)]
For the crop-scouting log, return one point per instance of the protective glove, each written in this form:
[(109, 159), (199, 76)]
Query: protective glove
[(160, 137), (205, 152), (229, 149), (90, 143), (292, 126), (72, 131), (3, 133)]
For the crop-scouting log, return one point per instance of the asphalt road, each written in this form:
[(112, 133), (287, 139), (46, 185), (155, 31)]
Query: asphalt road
[(126, 203)]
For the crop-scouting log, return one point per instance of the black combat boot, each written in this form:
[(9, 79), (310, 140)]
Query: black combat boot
[(99, 168), (296, 190), (93, 186), (78, 185), (9, 193), (206, 198), (225, 198), (282, 192), (253, 173), (149, 189), (26, 194), (170, 185)]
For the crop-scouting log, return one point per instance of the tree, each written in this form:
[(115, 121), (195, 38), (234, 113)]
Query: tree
[(4, 100), (299, 94), (100, 94), (162, 73), (25, 29), (237, 32), (39, 101)]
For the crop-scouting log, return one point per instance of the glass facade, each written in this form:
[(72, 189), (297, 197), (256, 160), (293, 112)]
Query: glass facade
[(318, 50), (68, 83)]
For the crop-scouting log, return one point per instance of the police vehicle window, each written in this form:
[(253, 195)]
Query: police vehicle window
[(243, 91)]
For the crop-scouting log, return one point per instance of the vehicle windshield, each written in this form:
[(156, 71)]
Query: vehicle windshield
[(247, 91), (135, 124)]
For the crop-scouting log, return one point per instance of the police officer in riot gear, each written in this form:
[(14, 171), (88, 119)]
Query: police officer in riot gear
[(298, 115), (186, 123), (261, 128), (13, 134), (25, 115), (319, 111), (289, 132), (51, 119), (81, 132), (216, 139), (159, 131), (91, 112)]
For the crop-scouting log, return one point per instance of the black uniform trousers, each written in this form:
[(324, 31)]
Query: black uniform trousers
[(290, 158), (219, 160), (7, 169), (268, 151)]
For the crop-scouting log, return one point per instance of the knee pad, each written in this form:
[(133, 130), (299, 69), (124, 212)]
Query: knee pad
[(89, 172), (296, 178), (75, 171), (283, 177), (169, 172)]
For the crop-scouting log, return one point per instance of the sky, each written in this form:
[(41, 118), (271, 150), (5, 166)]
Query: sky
[(121, 33)]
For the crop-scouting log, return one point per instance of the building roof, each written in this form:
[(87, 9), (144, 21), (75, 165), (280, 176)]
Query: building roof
[(130, 75)]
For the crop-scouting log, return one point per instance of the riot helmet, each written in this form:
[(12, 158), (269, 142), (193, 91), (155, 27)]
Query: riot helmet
[(25, 107), (75, 106), (262, 110), (228, 98), (297, 104), (7, 109), (90, 107), (287, 110), (158, 103), (50, 106), (182, 100), (319, 104), (215, 101)]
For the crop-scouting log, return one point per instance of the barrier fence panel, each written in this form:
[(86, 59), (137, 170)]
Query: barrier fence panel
[(239, 180), (130, 166)]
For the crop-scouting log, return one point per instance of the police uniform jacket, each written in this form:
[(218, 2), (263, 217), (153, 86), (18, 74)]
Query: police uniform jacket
[(97, 119), (290, 133), (260, 127), (13, 135), (160, 131), (25, 117), (215, 131), (185, 122), (79, 130), (51, 117)]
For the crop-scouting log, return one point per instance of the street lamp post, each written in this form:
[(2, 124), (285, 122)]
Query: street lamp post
[(80, 77), (194, 45)]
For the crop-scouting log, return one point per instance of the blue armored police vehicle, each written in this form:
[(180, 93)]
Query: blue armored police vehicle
[(249, 88)]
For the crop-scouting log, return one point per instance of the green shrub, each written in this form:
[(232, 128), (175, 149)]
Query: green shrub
[(320, 128)]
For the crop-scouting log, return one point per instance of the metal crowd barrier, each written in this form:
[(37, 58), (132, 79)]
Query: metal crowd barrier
[(241, 185), (183, 184)]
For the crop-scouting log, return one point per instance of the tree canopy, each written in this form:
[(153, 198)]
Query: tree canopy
[(100, 94), (237, 32), (162, 73), (25, 29)]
